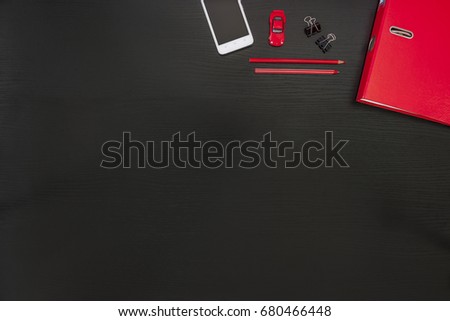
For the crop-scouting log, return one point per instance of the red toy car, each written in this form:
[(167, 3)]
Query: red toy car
[(277, 24)]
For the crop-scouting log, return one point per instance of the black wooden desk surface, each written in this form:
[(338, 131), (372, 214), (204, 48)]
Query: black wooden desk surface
[(74, 74)]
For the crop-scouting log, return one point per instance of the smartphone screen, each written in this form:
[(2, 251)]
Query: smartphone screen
[(226, 19)]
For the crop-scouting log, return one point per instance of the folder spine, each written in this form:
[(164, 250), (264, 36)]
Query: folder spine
[(375, 40)]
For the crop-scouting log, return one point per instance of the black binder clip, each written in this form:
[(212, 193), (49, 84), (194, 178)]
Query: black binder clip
[(324, 42), (313, 27)]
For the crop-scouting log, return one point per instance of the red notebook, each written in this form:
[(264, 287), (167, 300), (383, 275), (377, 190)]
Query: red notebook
[(407, 67)]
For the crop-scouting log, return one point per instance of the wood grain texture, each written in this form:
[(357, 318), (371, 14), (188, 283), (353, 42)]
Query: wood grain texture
[(74, 74)]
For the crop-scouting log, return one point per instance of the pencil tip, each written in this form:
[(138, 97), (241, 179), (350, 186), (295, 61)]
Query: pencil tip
[(341, 62), (337, 72)]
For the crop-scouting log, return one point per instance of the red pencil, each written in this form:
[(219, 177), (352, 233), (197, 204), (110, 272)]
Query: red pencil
[(296, 61), (272, 71)]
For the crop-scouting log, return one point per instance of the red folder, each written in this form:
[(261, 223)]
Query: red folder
[(407, 67)]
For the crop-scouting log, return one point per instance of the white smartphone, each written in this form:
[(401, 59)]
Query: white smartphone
[(228, 24)]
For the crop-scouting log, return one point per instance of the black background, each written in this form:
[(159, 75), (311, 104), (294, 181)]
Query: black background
[(74, 74)]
